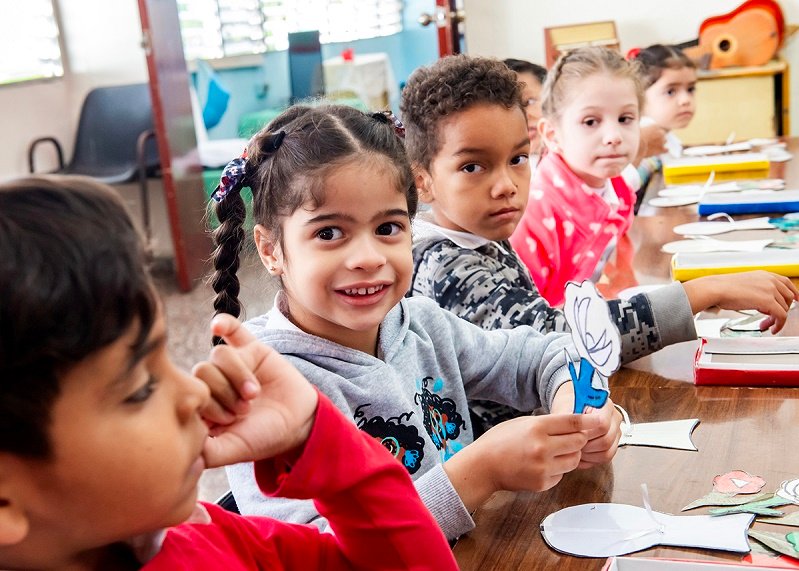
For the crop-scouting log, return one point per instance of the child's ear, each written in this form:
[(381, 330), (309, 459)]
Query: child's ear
[(268, 250), (424, 183), (14, 523), (548, 134)]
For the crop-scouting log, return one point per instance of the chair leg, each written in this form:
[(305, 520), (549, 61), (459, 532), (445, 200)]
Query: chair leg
[(144, 195)]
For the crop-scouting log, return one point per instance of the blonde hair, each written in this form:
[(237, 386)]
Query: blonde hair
[(577, 65)]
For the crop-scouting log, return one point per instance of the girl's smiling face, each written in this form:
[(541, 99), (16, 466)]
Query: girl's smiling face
[(345, 263), (597, 132)]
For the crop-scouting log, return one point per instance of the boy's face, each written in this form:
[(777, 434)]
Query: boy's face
[(347, 262), (479, 180), (597, 133), (127, 445), (670, 101)]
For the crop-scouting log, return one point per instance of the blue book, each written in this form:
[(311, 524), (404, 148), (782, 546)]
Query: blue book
[(750, 202)]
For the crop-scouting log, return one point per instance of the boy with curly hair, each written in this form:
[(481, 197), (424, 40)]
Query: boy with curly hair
[(466, 136)]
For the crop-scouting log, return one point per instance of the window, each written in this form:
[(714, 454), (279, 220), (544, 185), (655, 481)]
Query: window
[(213, 29), (28, 41)]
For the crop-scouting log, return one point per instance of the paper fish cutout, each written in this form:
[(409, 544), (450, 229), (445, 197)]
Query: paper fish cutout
[(597, 340), (604, 530), (669, 434), (732, 489)]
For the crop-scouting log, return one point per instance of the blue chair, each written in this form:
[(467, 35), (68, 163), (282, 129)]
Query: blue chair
[(114, 141)]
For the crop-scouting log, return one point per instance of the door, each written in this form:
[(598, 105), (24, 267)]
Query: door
[(448, 18), (177, 144)]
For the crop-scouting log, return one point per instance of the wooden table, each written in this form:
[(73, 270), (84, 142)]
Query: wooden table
[(740, 428)]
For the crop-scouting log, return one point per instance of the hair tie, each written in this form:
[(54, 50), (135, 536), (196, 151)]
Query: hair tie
[(232, 178), (388, 117), (273, 142)]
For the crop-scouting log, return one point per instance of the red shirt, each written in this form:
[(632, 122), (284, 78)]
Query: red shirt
[(367, 496)]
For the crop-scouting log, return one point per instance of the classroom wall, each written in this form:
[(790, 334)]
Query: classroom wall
[(102, 47), (515, 28)]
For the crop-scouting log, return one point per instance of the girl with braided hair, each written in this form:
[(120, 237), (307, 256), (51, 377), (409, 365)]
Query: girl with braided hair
[(333, 199)]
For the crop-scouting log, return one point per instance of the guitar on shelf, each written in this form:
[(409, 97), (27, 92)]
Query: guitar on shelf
[(750, 35)]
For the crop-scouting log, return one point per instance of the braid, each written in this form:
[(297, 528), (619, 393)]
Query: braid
[(229, 240)]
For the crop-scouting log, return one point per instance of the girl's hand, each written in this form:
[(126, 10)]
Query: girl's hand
[(764, 291), (526, 453), (261, 406), (603, 442)]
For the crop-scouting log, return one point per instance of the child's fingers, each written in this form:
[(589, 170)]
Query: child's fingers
[(231, 330), (219, 383), (570, 423)]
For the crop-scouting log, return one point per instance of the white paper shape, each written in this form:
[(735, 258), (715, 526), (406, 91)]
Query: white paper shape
[(671, 201), (667, 434), (710, 227), (706, 150), (739, 483), (593, 331), (713, 245), (603, 530)]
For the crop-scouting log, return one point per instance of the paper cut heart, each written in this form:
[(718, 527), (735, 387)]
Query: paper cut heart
[(604, 530)]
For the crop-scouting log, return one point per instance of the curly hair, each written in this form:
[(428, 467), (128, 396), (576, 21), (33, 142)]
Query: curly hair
[(314, 141), (579, 64), (450, 85), (651, 62)]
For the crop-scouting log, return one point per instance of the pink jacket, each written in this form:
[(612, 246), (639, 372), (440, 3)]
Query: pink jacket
[(567, 226)]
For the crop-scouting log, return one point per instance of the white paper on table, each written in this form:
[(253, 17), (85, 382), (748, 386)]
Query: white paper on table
[(603, 530), (709, 227), (666, 434), (710, 327), (713, 245)]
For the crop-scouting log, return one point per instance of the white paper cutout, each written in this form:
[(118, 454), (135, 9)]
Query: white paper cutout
[(667, 434), (597, 340), (710, 228), (604, 530), (789, 490), (712, 245)]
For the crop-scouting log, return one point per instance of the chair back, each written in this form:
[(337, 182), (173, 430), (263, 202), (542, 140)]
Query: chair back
[(111, 120)]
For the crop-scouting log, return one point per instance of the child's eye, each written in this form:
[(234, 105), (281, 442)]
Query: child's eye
[(590, 122), (671, 92), (519, 159), (472, 168), (625, 119), (143, 393), (329, 233), (692, 89), (389, 229)]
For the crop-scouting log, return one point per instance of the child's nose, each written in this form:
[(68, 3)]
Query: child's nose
[(366, 254), (612, 135), (505, 185), (193, 395)]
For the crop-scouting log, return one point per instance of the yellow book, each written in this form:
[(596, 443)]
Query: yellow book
[(684, 170), (687, 266)]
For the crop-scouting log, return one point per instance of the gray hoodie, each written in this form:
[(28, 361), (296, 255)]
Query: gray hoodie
[(412, 396)]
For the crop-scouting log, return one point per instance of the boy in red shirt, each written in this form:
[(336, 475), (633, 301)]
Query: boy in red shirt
[(103, 439)]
